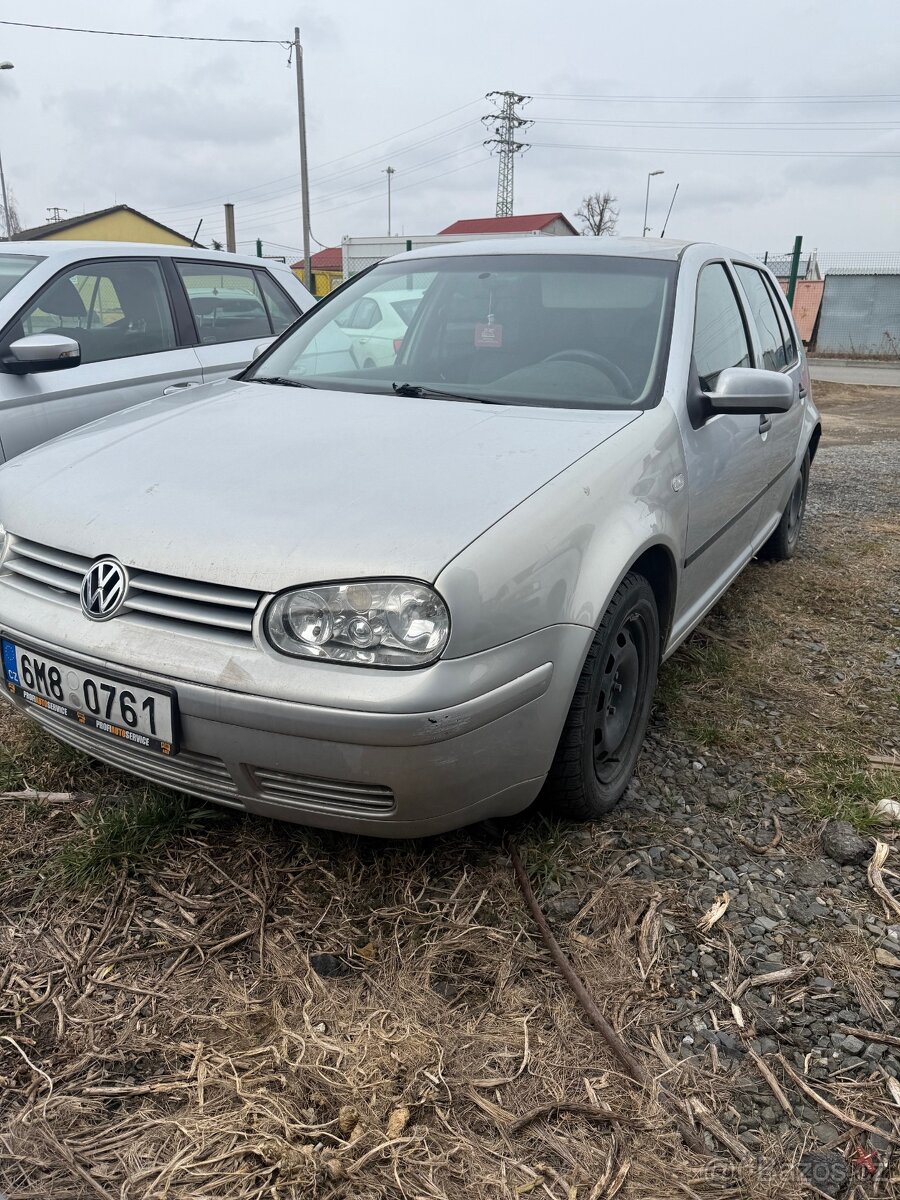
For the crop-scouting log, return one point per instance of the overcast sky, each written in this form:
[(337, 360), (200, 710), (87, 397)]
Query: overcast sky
[(175, 129)]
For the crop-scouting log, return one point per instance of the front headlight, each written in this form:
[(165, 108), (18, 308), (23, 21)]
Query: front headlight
[(373, 623)]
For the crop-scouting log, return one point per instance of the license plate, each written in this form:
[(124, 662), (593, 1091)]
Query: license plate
[(119, 708)]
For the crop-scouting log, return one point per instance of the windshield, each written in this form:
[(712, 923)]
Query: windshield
[(586, 331), (14, 267)]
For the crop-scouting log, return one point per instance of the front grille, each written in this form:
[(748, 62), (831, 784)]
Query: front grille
[(199, 774), (317, 795), (162, 602)]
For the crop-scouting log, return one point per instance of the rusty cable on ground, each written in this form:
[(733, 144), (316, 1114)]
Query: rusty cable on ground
[(633, 1066)]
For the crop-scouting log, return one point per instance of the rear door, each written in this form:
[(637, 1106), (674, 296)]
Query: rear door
[(234, 309), (724, 454), (119, 311)]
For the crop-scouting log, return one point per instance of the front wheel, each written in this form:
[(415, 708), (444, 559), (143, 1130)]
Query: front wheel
[(610, 710), (782, 544)]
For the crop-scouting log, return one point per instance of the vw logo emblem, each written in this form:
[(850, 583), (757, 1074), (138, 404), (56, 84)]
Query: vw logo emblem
[(104, 589)]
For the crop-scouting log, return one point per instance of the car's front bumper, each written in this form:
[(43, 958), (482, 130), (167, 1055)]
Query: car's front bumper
[(375, 771)]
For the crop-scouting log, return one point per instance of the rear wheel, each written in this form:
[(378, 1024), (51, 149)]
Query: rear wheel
[(783, 543), (610, 710)]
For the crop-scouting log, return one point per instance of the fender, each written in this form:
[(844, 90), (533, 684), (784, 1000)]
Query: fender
[(559, 556)]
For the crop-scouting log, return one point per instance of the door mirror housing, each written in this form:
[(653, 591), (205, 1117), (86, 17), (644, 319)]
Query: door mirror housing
[(260, 347), (747, 390), (42, 352)]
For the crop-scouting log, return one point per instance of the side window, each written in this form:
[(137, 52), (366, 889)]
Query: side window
[(366, 314), (282, 311), (226, 302), (113, 309), (763, 315), (787, 333), (720, 339)]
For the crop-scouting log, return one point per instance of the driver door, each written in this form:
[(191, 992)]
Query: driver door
[(725, 454)]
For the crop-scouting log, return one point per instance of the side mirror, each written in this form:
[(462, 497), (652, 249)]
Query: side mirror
[(747, 390), (258, 349), (42, 352)]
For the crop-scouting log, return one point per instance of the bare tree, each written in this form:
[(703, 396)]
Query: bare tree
[(12, 222), (217, 245), (598, 214)]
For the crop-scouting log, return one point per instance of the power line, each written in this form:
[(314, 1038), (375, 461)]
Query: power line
[(162, 37), (351, 154), (790, 125), (418, 183), (327, 179), (871, 98), (372, 186), (708, 152)]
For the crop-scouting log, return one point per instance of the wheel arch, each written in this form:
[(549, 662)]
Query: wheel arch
[(814, 439), (656, 564)]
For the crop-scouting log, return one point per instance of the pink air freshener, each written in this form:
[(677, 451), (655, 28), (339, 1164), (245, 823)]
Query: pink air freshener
[(488, 335)]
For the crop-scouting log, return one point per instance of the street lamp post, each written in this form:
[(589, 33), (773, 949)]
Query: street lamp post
[(650, 175), (5, 66), (389, 171)]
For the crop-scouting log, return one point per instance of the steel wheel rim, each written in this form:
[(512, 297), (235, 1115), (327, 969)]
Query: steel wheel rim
[(795, 508), (619, 701)]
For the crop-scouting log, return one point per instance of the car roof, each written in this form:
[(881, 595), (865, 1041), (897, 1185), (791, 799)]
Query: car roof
[(77, 249), (664, 249)]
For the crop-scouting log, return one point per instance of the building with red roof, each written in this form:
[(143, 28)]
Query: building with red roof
[(553, 223), (327, 270)]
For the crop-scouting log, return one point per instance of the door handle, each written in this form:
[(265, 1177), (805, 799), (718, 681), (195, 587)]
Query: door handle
[(178, 387), (765, 423)]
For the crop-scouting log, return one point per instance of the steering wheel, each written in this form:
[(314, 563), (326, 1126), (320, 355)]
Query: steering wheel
[(592, 359)]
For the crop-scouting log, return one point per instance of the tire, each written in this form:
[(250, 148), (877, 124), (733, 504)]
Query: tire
[(600, 743), (782, 544)]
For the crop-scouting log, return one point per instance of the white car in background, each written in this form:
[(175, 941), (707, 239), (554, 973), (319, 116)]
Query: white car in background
[(88, 328), (376, 326)]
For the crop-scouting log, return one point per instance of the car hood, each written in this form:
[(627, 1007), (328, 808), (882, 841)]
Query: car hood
[(264, 487)]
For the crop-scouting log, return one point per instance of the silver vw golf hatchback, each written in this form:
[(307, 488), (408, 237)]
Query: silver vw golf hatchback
[(399, 596)]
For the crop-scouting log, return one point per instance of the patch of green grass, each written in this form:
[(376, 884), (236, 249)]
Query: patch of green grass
[(700, 661), (841, 786), (545, 849), (124, 832)]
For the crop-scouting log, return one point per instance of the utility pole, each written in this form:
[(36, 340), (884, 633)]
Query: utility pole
[(795, 269), (6, 222), (505, 125), (304, 168), (669, 213), (53, 214), (389, 171), (230, 243), (5, 66)]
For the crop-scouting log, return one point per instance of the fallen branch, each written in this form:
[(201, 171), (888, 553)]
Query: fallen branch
[(31, 794), (783, 975), (871, 1035), (832, 1109), (592, 1111), (633, 1067), (876, 883), (770, 1079)]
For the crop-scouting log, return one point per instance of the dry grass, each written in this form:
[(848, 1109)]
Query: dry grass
[(170, 1031), (164, 1031), (789, 669)]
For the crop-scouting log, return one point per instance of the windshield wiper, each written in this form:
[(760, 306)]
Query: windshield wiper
[(421, 392), (282, 379)]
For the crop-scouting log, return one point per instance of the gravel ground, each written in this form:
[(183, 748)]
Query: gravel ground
[(269, 1014)]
